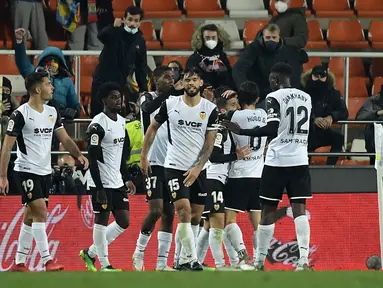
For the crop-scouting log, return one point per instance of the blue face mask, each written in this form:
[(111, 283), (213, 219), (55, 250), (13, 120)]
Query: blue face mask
[(130, 30), (271, 45)]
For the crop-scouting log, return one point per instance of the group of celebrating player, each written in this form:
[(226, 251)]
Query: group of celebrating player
[(199, 159)]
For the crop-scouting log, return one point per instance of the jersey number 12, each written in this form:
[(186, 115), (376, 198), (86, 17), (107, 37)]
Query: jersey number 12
[(301, 112)]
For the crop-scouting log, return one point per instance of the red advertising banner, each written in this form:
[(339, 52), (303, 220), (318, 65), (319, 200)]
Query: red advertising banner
[(344, 233)]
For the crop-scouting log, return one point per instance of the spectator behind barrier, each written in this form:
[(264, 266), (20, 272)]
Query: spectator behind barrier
[(328, 106), (255, 62), (292, 22), (64, 94), (372, 110), (8, 103), (178, 88), (208, 42), (124, 52)]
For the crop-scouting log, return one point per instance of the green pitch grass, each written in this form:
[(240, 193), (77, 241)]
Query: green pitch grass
[(351, 279)]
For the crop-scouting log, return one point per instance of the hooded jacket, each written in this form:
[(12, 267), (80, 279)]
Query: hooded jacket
[(328, 102), (256, 61), (64, 92), (123, 54), (293, 26), (213, 63)]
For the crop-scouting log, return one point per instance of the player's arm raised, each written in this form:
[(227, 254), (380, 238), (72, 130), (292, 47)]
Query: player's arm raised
[(150, 134), (15, 125), (124, 168), (68, 143)]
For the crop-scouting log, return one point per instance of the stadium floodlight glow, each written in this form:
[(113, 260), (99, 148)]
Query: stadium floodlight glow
[(379, 177)]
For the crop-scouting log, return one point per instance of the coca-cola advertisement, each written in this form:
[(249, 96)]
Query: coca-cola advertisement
[(344, 233)]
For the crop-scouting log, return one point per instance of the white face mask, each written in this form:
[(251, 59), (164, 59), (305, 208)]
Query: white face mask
[(211, 44), (130, 30), (281, 6)]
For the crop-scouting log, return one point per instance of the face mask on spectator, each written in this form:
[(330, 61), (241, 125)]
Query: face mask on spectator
[(130, 30), (271, 45), (6, 87), (281, 6), (211, 44)]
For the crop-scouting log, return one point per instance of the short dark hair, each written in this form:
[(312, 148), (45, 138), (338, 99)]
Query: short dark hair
[(282, 69), (134, 10), (248, 93), (34, 79), (272, 28), (108, 87), (193, 71), (160, 70), (177, 63), (209, 27)]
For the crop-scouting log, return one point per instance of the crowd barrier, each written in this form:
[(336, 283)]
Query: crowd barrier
[(340, 236)]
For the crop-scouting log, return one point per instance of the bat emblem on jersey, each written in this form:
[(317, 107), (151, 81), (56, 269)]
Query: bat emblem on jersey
[(149, 193), (51, 118), (174, 195), (104, 206), (29, 195), (202, 115), (216, 207)]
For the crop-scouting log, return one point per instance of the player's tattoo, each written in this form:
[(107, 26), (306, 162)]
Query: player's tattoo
[(207, 148)]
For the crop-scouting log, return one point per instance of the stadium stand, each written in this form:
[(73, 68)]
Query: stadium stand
[(160, 9), (176, 34), (150, 36), (119, 7), (369, 8), (343, 34), (203, 9), (332, 9), (246, 9), (316, 40), (375, 35), (252, 27)]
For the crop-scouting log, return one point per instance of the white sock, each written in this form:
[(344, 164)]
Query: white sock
[(141, 244), (254, 244), (215, 242), (188, 253), (234, 234), (195, 229), (233, 255), (178, 247), (24, 244), (99, 240), (164, 244), (302, 228), (112, 232), (264, 235), (40, 235), (202, 245)]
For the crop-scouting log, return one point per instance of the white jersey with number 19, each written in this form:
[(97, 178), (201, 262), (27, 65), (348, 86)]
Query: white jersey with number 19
[(292, 109)]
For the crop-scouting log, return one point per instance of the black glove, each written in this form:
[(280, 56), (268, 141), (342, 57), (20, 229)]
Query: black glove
[(101, 197), (68, 113)]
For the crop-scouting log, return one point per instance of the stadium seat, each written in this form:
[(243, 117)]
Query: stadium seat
[(377, 67), (377, 86), (356, 68), (203, 9), (176, 34), (160, 9), (375, 35), (150, 35), (313, 61), (356, 87), (316, 40), (293, 4), (119, 7), (53, 5), (8, 65), (246, 9), (232, 60), (320, 160), (346, 34), (332, 9), (181, 59), (355, 162), (252, 27), (369, 8), (87, 66), (230, 26), (358, 145), (354, 105)]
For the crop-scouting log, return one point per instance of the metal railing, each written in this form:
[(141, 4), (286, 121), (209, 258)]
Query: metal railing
[(346, 55)]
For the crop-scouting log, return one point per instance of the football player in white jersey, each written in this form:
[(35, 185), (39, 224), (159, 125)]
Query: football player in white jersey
[(32, 126), (242, 189), (191, 139), (157, 195), (286, 164), (109, 181)]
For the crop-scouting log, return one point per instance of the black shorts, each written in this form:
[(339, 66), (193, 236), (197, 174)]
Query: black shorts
[(156, 186), (296, 180), (215, 202), (242, 194), (196, 193), (117, 200), (32, 186)]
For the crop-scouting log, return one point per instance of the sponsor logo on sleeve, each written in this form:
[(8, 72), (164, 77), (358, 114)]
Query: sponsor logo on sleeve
[(94, 139)]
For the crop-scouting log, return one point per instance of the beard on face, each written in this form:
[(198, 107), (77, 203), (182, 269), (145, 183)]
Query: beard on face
[(190, 93)]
